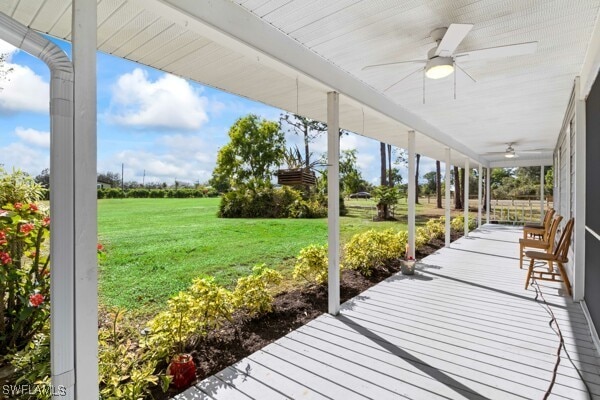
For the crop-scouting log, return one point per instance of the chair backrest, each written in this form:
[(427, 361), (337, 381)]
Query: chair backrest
[(551, 234), (561, 251), (548, 218)]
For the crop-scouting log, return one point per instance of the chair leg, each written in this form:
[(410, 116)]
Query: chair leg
[(529, 272), (520, 256), (565, 278)]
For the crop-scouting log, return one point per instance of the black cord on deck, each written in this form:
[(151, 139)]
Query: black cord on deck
[(561, 341)]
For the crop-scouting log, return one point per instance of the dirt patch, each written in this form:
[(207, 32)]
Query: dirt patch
[(291, 309)]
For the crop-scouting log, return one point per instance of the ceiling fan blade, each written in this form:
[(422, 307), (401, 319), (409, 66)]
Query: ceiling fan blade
[(494, 153), (465, 72), (540, 151), (391, 64), (406, 77), (498, 52), (454, 35)]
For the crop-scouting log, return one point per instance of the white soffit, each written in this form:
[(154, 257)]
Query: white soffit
[(521, 99)]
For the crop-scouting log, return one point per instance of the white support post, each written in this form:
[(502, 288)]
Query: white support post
[(542, 194), (447, 202), (580, 184), (85, 207), (333, 200), (466, 204), (480, 181), (412, 190), (488, 195)]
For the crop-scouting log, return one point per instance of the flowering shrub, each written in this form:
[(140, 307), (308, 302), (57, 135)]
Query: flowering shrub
[(24, 274), (18, 187), (422, 237), (252, 292), (312, 264)]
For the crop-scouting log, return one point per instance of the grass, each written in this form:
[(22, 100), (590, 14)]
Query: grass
[(155, 247)]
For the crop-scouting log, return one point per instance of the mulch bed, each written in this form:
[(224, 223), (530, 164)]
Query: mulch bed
[(291, 309)]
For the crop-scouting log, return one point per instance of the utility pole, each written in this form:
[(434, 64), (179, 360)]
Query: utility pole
[(144, 179), (122, 178)]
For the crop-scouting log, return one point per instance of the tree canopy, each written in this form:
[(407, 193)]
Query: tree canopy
[(255, 150)]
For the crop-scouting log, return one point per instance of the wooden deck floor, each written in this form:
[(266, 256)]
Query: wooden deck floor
[(463, 327)]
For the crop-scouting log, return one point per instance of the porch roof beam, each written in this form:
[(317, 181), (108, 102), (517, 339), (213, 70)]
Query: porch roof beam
[(512, 163), (228, 24)]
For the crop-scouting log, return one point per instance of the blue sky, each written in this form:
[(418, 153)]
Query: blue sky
[(150, 121)]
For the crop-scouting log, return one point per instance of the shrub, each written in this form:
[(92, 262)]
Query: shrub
[(138, 193), (252, 292), (32, 364), (24, 274), (113, 193), (190, 314), (19, 187), (436, 227), (312, 264), (307, 209), (156, 194), (458, 223), (422, 237), (371, 249), (126, 370)]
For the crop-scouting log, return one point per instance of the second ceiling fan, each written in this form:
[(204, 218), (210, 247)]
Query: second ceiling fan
[(441, 60)]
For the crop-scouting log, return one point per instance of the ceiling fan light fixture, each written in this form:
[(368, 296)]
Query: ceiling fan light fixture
[(439, 67), (509, 155)]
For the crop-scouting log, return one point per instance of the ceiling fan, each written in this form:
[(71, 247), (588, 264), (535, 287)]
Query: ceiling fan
[(442, 59), (511, 153)]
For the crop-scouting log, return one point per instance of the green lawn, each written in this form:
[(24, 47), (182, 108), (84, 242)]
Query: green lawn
[(155, 247)]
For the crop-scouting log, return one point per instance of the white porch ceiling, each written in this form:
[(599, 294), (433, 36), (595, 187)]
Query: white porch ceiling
[(521, 99)]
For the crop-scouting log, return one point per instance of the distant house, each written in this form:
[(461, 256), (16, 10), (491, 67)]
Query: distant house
[(100, 184)]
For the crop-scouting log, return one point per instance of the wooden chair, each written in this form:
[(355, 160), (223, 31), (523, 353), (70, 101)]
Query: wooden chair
[(538, 230), (558, 257), (545, 243)]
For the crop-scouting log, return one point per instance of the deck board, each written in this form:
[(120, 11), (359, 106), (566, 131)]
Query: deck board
[(463, 327)]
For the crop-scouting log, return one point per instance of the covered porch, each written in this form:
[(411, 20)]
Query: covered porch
[(462, 327)]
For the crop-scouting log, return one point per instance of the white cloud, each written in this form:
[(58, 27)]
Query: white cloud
[(23, 90), (33, 136), (27, 158), (167, 103), (7, 48), (158, 167)]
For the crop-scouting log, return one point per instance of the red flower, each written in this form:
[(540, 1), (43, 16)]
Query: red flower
[(32, 254), (33, 207), (100, 247), (3, 238), (18, 206), (46, 221), (26, 228), (35, 300), (5, 258)]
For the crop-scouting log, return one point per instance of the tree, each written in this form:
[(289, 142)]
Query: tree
[(389, 156), (308, 128), (418, 160), (438, 183), (351, 180), (385, 196), (465, 202), (4, 72), (44, 178), (457, 191), (256, 148), (430, 186), (112, 178), (395, 177), (383, 161)]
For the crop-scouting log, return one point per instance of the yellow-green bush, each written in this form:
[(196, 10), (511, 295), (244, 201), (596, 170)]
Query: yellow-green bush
[(312, 264), (368, 250), (436, 227), (252, 293), (422, 237), (189, 314), (458, 223)]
